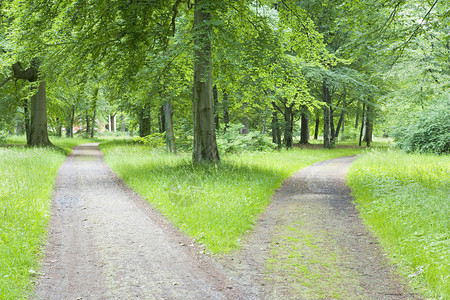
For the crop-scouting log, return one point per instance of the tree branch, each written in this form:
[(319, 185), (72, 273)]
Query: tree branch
[(403, 46), (6, 81)]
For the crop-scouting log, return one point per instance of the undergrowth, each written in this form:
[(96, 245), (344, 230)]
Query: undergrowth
[(215, 204), (27, 178), (404, 199)]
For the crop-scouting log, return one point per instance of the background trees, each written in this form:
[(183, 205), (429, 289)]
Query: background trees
[(273, 66)]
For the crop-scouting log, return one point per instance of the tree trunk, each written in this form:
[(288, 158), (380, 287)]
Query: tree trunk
[(362, 124), (316, 129), (58, 128), (369, 124), (332, 129), (205, 145), (170, 136), (276, 132), (26, 113), (162, 120), (357, 115), (38, 124), (226, 114), (216, 108), (304, 129), (327, 143), (88, 125), (69, 126), (288, 126), (93, 123), (38, 134), (340, 123), (144, 122)]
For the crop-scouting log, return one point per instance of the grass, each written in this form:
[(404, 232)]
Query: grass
[(404, 199), (26, 186), (27, 178), (64, 143), (215, 204)]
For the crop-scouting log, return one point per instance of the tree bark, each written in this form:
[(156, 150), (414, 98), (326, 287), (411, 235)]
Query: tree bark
[(170, 136), (144, 122), (38, 134), (205, 145), (288, 126), (316, 128), (304, 130), (369, 124), (362, 124), (226, 113), (162, 120), (38, 124), (326, 115), (216, 108), (26, 113), (276, 132)]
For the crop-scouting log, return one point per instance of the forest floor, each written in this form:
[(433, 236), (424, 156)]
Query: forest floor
[(105, 242)]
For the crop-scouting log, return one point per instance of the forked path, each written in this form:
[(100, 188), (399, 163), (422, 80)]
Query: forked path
[(105, 242), (310, 243)]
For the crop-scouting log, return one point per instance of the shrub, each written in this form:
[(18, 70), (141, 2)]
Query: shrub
[(154, 140), (427, 132), (232, 141)]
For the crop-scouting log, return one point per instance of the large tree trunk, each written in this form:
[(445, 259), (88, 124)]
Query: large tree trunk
[(327, 143), (38, 124), (205, 145), (38, 134), (170, 136)]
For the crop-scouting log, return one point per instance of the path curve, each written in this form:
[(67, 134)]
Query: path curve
[(106, 243), (310, 243)]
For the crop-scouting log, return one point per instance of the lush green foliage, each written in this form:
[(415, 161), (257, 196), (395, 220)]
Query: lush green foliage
[(232, 141), (427, 131), (216, 204), (27, 178), (404, 199)]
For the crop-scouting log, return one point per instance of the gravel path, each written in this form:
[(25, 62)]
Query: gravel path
[(105, 242)]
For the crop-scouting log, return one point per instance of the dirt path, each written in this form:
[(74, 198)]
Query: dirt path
[(106, 243), (311, 244)]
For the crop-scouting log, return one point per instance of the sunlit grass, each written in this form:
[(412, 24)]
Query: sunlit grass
[(62, 142), (405, 199), (216, 204), (26, 183)]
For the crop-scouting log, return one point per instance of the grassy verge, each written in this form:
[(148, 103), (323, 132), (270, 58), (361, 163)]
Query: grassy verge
[(215, 204), (27, 178), (404, 199)]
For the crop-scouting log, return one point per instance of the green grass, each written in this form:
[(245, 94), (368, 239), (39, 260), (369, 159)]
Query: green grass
[(404, 199), (27, 179), (216, 204), (62, 142)]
